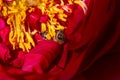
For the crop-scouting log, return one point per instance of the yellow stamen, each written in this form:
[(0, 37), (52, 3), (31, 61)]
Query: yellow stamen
[(43, 27), (16, 18), (82, 4)]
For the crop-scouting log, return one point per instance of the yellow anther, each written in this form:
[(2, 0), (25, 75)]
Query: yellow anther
[(34, 32), (14, 3), (31, 10), (4, 11), (48, 37), (62, 17), (82, 4), (70, 1), (1, 4), (61, 2), (43, 27)]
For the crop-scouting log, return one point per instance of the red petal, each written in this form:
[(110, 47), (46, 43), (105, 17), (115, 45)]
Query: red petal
[(4, 52), (4, 34), (43, 18), (33, 18), (41, 56), (2, 23)]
